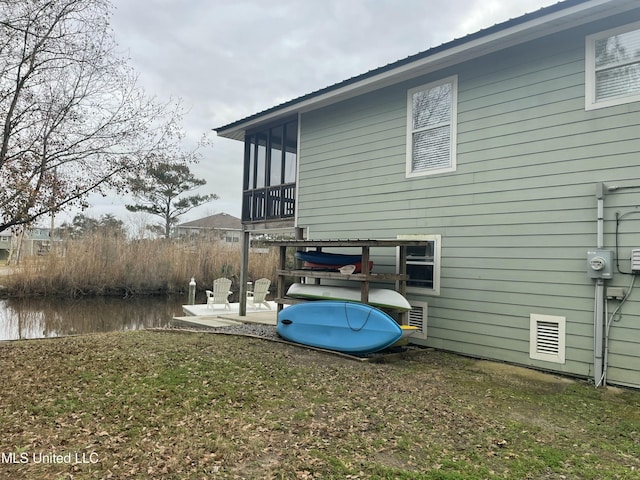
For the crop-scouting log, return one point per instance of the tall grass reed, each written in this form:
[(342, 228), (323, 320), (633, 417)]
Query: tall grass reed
[(108, 265)]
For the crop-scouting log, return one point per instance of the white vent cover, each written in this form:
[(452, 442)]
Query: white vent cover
[(418, 318), (547, 338), (635, 260)]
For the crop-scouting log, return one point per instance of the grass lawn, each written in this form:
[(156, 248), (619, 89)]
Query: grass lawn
[(175, 405)]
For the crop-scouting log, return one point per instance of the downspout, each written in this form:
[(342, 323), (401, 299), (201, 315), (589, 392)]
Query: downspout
[(598, 314)]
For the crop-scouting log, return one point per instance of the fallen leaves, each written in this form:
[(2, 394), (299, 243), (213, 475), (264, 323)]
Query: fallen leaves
[(194, 406)]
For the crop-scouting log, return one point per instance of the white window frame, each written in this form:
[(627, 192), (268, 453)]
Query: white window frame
[(437, 239), (453, 128), (591, 103)]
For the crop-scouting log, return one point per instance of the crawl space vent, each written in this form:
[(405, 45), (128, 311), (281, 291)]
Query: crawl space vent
[(547, 338), (418, 318)]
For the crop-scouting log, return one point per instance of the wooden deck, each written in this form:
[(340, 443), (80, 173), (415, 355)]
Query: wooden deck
[(200, 315)]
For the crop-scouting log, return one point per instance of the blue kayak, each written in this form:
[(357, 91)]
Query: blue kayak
[(324, 258), (341, 326)]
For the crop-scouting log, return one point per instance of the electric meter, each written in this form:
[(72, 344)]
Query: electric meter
[(600, 263)]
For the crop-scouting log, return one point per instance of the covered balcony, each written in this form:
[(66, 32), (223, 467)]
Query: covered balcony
[(269, 184)]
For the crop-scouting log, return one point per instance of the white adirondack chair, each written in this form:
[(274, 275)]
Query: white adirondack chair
[(260, 291), (220, 293)]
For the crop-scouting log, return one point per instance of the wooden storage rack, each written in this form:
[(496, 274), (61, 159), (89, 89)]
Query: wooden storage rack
[(364, 278)]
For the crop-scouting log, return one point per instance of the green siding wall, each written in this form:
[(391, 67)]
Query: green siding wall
[(518, 215)]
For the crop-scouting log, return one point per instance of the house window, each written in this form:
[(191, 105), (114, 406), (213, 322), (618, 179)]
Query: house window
[(613, 67), (423, 264), (431, 128)]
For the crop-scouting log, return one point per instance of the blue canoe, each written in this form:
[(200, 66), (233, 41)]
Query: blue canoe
[(341, 326), (324, 258)]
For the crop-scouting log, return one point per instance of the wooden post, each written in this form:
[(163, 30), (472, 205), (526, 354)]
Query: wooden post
[(364, 288), (317, 280), (297, 263), (282, 266), (244, 271)]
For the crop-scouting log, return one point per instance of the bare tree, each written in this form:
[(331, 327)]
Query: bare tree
[(72, 119)]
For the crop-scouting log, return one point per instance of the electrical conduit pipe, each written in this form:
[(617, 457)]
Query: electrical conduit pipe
[(599, 310)]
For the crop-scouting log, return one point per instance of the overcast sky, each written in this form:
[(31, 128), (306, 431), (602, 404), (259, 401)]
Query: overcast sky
[(227, 59)]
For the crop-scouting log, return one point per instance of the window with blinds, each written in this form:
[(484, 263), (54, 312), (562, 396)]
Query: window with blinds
[(431, 122), (613, 67)]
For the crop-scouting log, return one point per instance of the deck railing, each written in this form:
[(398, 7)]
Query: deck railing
[(269, 203)]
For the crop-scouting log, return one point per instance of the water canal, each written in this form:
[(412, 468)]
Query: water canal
[(27, 318)]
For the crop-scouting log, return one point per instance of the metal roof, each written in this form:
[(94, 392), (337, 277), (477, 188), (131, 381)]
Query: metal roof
[(547, 20)]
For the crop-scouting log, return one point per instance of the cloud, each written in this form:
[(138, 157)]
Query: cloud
[(227, 59)]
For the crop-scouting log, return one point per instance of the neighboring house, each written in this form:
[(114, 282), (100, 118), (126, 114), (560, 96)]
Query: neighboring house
[(6, 244), (221, 226), (35, 241), (515, 152)]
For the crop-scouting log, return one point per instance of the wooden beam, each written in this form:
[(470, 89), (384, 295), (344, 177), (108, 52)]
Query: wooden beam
[(244, 271)]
